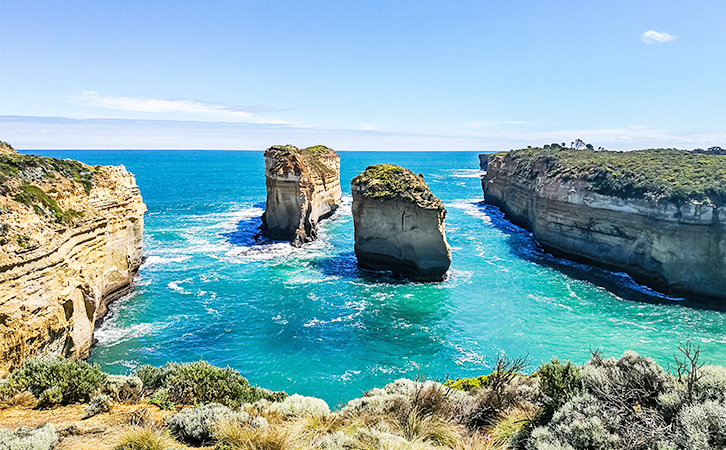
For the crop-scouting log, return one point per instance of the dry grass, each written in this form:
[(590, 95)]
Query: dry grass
[(147, 438), (236, 436), (418, 426), (21, 400)]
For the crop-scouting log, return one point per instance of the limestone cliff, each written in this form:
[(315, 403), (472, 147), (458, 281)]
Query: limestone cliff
[(399, 224), (303, 187), (70, 242), (657, 215)]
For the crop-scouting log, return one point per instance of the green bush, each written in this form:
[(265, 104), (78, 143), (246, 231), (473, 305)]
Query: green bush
[(559, 383), (298, 405), (56, 381), (22, 439), (703, 426), (467, 384), (200, 382)]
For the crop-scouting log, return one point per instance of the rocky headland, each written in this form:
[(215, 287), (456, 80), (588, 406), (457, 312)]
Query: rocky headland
[(399, 224), (70, 242), (303, 187), (655, 214)]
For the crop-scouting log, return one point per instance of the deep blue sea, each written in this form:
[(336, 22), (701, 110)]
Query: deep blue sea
[(308, 321)]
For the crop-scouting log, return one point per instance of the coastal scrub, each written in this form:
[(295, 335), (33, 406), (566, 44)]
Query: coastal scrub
[(387, 181)]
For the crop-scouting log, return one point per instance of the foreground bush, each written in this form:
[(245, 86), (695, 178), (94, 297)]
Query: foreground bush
[(200, 382), (39, 439), (56, 381), (197, 425)]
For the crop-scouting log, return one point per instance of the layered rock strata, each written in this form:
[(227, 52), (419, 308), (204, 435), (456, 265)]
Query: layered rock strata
[(70, 242), (675, 246), (303, 187), (399, 224)]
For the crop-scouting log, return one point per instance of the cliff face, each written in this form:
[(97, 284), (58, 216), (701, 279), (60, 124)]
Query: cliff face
[(303, 187), (677, 247), (399, 224), (70, 238)]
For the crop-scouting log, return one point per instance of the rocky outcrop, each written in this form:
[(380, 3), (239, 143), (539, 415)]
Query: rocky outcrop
[(399, 224), (70, 242), (303, 187), (675, 246)]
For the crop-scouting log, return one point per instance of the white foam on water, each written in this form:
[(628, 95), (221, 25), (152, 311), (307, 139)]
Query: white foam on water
[(470, 208), (468, 173), (174, 286), (154, 260)]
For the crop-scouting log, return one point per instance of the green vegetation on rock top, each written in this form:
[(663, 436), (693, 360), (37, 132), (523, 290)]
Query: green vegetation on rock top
[(386, 181), (655, 174), (310, 156), (31, 167)]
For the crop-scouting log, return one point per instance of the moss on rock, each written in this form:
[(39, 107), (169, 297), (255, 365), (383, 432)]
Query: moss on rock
[(387, 181)]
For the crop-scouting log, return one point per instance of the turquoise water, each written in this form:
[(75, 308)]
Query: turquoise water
[(308, 321)]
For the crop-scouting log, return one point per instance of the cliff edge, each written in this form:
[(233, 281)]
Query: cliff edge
[(70, 242), (303, 187), (656, 214), (399, 224)]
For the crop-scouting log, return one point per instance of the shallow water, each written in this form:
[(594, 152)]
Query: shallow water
[(308, 321)]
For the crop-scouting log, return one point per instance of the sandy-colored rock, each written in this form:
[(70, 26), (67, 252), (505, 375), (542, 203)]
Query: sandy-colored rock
[(57, 273), (676, 249), (7, 149), (303, 187), (399, 224)]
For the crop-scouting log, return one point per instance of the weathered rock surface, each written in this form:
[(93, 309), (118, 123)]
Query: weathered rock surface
[(399, 224), (677, 248), (70, 242), (303, 187)]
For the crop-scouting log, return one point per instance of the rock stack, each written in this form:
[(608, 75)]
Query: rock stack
[(303, 187), (399, 224)]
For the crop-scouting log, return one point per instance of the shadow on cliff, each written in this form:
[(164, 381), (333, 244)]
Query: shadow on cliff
[(523, 245)]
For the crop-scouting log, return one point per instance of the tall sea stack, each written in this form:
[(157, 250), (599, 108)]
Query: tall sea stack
[(303, 187), (70, 242), (399, 224)]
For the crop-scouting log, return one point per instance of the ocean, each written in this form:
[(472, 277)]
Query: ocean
[(308, 321)]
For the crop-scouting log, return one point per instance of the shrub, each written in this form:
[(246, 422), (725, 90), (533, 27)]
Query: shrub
[(22, 439), (57, 381), (122, 388), (559, 383), (197, 425), (99, 404), (467, 384), (299, 405), (703, 426), (143, 439), (200, 382)]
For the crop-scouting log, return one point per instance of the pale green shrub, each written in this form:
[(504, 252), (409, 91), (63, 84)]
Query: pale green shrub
[(197, 425), (99, 404), (22, 439), (299, 405), (123, 388), (703, 426)]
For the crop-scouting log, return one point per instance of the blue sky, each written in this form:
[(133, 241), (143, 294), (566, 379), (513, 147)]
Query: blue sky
[(428, 75)]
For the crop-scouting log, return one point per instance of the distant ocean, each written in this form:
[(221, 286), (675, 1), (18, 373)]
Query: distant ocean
[(308, 321)]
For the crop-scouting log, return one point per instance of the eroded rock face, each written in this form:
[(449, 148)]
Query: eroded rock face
[(62, 260), (677, 249), (303, 187), (399, 224)]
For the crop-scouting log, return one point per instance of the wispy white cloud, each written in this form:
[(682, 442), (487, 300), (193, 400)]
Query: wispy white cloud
[(651, 37), (161, 106), (481, 123)]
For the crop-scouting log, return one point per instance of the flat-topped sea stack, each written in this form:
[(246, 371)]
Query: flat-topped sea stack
[(399, 224), (303, 187), (70, 242), (658, 215)]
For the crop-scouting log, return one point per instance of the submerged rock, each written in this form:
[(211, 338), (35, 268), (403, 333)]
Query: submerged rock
[(399, 224), (303, 187), (70, 242)]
